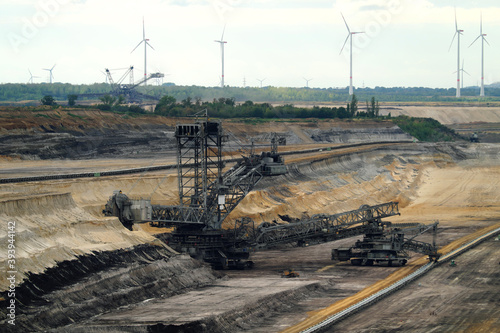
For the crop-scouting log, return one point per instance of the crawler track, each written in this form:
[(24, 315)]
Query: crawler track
[(174, 166), (374, 293)]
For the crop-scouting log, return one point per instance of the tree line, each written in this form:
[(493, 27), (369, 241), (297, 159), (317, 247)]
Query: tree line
[(286, 95), (223, 107)]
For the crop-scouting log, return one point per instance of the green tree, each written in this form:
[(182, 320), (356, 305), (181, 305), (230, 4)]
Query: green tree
[(72, 99), (353, 106), (374, 109), (48, 100), (108, 100), (165, 105), (120, 100), (187, 102)]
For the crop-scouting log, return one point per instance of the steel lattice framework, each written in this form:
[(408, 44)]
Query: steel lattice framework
[(206, 195), (328, 227)]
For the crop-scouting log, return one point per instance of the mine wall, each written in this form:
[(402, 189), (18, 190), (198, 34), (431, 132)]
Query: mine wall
[(55, 141), (47, 143), (343, 182), (355, 135), (242, 318), (93, 284), (76, 266)]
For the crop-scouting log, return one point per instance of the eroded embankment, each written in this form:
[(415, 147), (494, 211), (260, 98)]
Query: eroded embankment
[(51, 228), (72, 265), (240, 306), (343, 182), (94, 284)]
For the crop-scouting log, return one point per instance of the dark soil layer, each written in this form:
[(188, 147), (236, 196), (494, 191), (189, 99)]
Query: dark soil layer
[(97, 283)]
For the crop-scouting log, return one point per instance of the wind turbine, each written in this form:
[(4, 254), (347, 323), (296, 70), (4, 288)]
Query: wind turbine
[(349, 36), (463, 71), (222, 42), (146, 44), (106, 75), (307, 82), (483, 39), (50, 71), (458, 32), (261, 80), (31, 77)]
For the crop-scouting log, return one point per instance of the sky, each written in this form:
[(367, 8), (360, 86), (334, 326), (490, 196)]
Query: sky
[(406, 43)]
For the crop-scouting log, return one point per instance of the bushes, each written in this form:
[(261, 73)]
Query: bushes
[(425, 129), (115, 104), (226, 108)]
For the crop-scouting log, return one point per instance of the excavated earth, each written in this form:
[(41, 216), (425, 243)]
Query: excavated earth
[(78, 271)]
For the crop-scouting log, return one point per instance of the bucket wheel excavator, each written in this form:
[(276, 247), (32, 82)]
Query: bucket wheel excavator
[(208, 194)]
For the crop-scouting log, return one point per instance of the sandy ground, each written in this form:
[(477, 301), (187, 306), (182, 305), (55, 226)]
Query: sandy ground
[(463, 298), (445, 113), (449, 115)]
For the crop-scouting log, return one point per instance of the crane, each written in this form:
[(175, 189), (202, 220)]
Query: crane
[(128, 90)]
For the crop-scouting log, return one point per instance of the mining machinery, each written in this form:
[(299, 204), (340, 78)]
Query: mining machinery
[(207, 195), (389, 244), (474, 137), (128, 90)]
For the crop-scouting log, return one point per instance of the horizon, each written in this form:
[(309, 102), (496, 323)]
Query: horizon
[(262, 39), (346, 88)]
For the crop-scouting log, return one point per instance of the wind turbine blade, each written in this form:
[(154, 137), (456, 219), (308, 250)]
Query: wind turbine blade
[(344, 43), (345, 22), (456, 24), (474, 40), (150, 46), (223, 30), (30, 72), (137, 45), (452, 41), (481, 24), (143, 29), (465, 72), (53, 67), (486, 41)]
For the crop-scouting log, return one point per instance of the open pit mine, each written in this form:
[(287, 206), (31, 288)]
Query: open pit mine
[(208, 226)]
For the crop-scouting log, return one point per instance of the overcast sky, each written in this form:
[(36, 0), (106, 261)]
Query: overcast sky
[(406, 42)]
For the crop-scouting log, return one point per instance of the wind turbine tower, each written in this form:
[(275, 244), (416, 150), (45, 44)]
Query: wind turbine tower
[(463, 71), (458, 32), (307, 82), (483, 39), (50, 71), (31, 77), (146, 44), (222, 42), (349, 36)]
